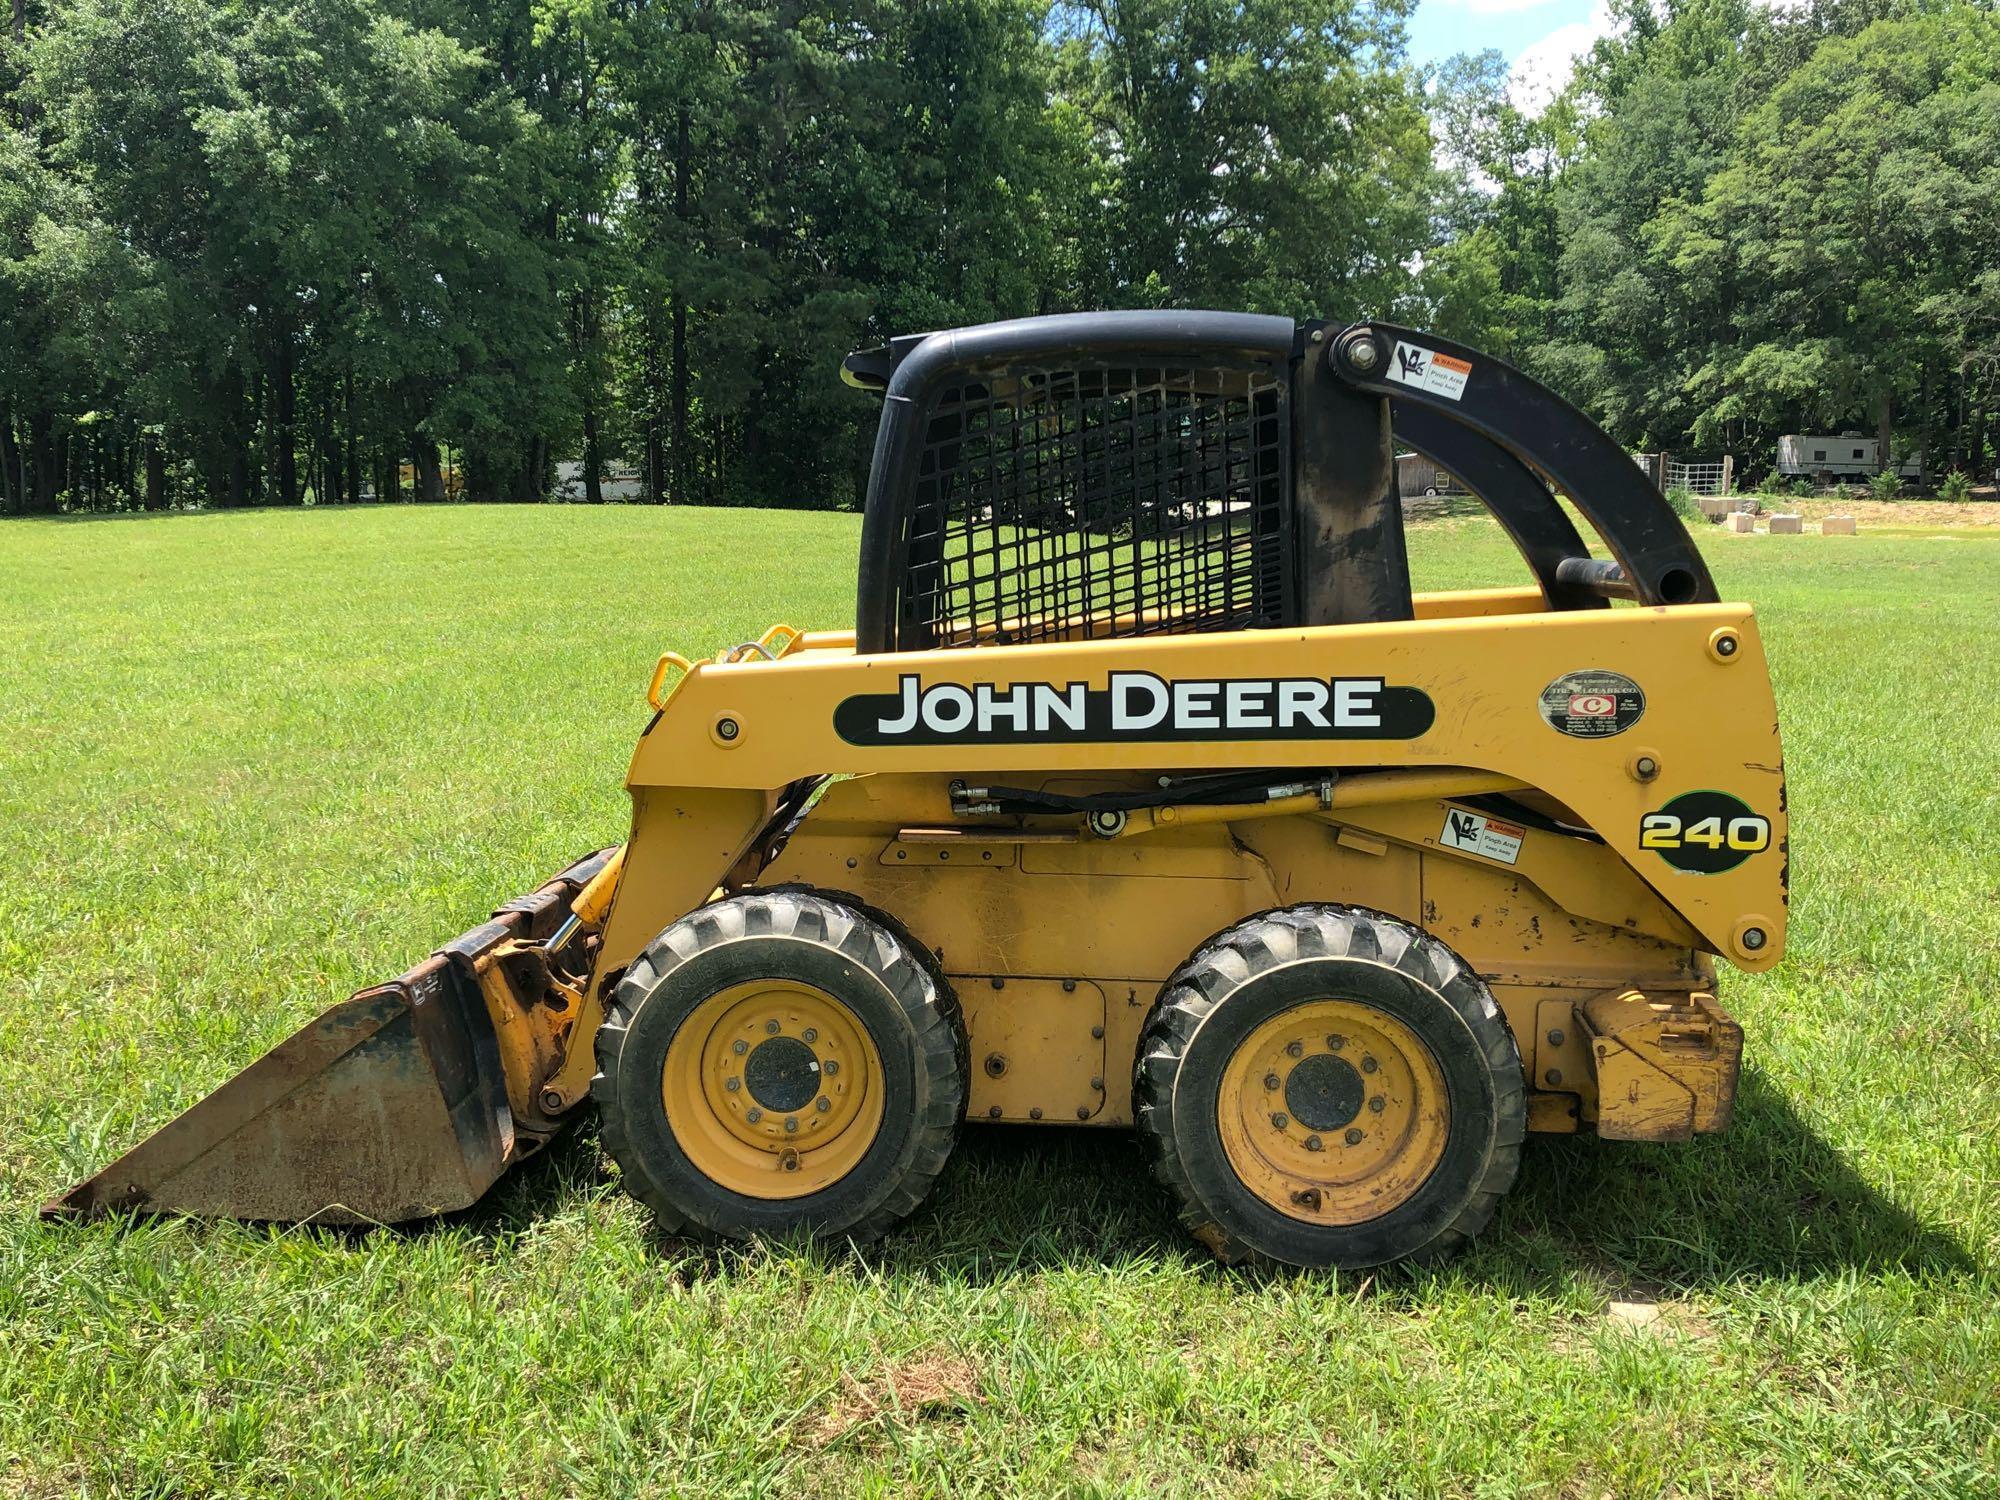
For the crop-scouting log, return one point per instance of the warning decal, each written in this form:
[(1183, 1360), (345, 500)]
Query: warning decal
[(1440, 374), (1476, 833)]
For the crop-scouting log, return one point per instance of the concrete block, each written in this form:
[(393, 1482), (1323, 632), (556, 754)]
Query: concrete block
[(1837, 526), (1738, 521), (1715, 507), (1786, 525)]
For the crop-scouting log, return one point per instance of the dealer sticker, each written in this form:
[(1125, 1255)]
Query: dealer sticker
[(1476, 833), (1592, 705), (1426, 369)]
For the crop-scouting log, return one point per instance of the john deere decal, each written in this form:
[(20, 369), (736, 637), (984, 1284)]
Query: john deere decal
[(1134, 706)]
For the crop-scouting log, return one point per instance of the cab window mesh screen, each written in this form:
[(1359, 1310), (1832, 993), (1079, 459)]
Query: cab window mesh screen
[(1063, 504)]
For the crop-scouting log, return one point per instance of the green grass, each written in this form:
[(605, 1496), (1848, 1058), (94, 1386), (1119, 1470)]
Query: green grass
[(248, 762)]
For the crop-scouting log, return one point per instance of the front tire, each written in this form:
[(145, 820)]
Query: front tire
[(1328, 1086), (781, 1060)]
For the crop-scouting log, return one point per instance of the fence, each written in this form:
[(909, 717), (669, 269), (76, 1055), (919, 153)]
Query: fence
[(1714, 477)]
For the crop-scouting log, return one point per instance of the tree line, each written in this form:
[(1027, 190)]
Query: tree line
[(271, 251)]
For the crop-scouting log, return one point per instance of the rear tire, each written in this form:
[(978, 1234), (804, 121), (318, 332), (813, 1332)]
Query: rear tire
[(779, 1061), (1328, 1086)]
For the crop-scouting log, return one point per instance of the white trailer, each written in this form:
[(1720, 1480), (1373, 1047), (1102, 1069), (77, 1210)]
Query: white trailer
[(1847, 456)]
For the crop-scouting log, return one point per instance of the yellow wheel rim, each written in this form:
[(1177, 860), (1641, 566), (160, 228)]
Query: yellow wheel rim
[(1333, 1112), (773, 1088)]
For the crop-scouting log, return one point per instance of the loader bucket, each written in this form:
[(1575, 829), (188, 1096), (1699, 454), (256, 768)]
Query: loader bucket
[(391, 1106)]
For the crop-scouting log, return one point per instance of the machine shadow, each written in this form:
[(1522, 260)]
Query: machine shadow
[(1767, 1199)]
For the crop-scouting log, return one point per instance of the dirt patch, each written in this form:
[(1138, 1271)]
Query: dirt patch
[(929, 1387), (1869, 513)]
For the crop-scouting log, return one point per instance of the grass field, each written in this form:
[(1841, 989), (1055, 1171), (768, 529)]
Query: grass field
[(250, 761)]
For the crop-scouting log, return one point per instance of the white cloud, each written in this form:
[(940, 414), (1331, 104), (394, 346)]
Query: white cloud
[(1544, 65), (1500, 7)]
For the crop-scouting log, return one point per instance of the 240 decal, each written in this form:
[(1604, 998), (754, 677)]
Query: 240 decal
[(1705, 833)]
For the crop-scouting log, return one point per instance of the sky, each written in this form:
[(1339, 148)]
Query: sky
[(1539, 37)]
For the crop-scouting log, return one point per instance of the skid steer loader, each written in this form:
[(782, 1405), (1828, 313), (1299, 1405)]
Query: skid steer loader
[(1144, 793)]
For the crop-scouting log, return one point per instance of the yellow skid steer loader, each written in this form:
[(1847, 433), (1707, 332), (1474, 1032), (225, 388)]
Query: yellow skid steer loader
[(1144, 793)]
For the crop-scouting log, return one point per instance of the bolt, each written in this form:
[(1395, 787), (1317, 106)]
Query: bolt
[(993, 1112), (552, 1101), (1097, 1033), (829, 1067), (902, 854), (1353, 1137), (1753, 939), (1335, 1042), (852, 863), (1278, 1120), (791, 1124), (732, 1084), (1646, 768), (1293, 1049), (753, 1114), (1554, 1076), (1377, 1105), (772, 1027), (739, 1047), (1555, 1036), (811, 1033), (999, 983), (944, 854), (1363, 354), (727, 729), (822, 1104), (1035, 1114), (1319, 335), (1098, 1084), (995, 1064), (1083, 1111), (1271, 1081), (1368, 1063), (1069, 986), (1726, 646), (1313, 1143)]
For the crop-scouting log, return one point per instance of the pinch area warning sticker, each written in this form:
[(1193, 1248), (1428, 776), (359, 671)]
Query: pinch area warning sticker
[(1476, 833), (1440, 374)]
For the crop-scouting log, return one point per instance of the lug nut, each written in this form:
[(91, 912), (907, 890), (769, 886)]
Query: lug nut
[(791, 1125), (1294, 1049), (829, 1067), (1279, 1121), (811, 1033), (739, 1048), (772, 1027), (732, 1084), (1353, 1137), (1377, 1105), (822, 1104), (1313, 1143), (1335, 1042), (1368, 1064), (753, 1114), (1271, 1082)]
